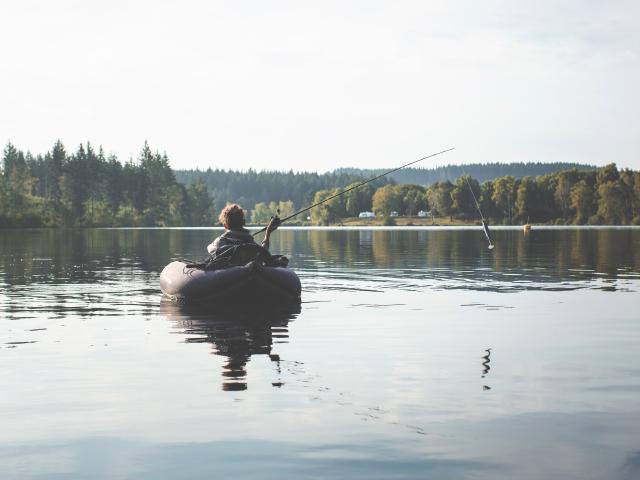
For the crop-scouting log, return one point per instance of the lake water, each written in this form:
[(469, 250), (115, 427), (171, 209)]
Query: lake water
[(384, 372)]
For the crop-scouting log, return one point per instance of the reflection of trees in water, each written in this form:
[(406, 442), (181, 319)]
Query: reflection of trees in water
[(47, 255), (90, 255), (631, 466), (542, 256), (235, 335), (388, 245), (286, 243), (337, 247)]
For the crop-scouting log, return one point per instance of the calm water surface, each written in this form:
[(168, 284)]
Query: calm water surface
[(415, 354)]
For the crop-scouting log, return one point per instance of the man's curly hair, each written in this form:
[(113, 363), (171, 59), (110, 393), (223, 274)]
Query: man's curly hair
[(232, 216)]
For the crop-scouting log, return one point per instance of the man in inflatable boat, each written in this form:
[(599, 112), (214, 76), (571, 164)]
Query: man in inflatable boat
[(238, 244)]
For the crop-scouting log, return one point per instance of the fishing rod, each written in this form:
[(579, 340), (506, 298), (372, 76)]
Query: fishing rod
[(353, 188), (485, 227)]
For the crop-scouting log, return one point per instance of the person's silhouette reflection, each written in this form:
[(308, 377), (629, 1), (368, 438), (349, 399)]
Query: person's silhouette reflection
[(236, 335)]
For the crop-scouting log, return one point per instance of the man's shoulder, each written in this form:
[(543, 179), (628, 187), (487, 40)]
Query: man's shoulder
[(239, 233), (236, 231)]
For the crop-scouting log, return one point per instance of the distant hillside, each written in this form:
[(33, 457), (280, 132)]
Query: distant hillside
[(86, 188), (479, 171), (251, 187)]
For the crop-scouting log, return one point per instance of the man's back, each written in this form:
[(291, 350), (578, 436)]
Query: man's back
[(230, 238)]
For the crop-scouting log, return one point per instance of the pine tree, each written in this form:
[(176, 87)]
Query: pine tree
[(200, 206), (18, 183), (55, 171), (76, 184), (113, 181)]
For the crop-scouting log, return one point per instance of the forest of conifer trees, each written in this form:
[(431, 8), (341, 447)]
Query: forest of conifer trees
[(90, 189), (87, 188)]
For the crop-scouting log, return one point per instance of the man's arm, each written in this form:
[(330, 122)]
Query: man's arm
[(273, 225)]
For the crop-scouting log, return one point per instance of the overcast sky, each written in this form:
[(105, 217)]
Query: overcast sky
[(318, 85)]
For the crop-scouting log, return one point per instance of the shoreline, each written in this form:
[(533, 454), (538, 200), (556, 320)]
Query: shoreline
[(349, 226)]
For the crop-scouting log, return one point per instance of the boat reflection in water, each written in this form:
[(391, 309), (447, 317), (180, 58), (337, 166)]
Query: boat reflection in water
[(235, 334)]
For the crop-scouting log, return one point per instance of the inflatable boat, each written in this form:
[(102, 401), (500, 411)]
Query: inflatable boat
[(253, 282)]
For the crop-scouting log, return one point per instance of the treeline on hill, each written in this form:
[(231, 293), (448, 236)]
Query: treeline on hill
[(480, 171), (251, 187), (601, 196), (87, 188)]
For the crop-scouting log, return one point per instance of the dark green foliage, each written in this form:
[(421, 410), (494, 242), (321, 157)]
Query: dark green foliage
[(602, 196), (582, 201), (439, 198), (16, 189), (402, 199), (387, 199), (526, 197), (358, 200), (331, 211), (200, 209), (504, 197), (53, 177), (85, 188), (480, 171), (462, 196), (113, 183), (251, 187)]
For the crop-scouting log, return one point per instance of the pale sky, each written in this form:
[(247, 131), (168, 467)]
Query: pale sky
[(318, 85)]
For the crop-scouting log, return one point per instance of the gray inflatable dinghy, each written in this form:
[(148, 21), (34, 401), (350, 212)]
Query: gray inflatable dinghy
[(253, 282)]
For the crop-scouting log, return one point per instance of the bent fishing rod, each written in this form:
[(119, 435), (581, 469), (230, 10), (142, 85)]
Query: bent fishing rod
[(353, 187)]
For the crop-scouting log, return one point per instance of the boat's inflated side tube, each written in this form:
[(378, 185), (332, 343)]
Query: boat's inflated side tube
[(252, 282)]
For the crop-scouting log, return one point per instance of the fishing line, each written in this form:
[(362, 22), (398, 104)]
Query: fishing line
[(353, 188), (485, 227)]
